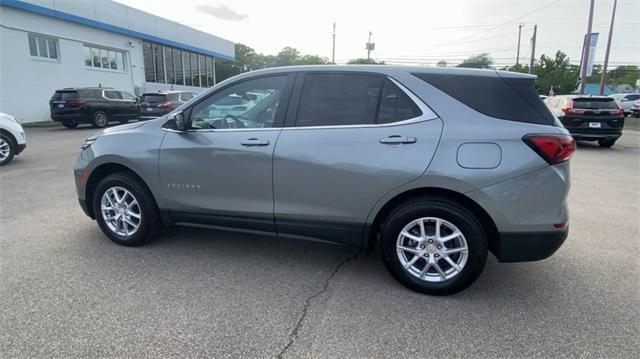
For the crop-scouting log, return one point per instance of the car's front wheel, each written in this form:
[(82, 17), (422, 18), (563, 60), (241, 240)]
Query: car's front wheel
[(125, 209), (100, 119), (607, 143), (7, 149), (434, 246)]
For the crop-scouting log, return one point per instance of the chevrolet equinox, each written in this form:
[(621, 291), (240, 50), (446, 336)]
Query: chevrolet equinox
[(436, 166)]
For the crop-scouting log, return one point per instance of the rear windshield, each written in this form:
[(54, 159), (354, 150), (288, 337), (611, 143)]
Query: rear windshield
[(595, 104), (513, 99), (153, 98)]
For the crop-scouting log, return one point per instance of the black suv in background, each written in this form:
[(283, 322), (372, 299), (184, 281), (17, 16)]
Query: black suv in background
[(589, 118), (157, 104), (95, 105)]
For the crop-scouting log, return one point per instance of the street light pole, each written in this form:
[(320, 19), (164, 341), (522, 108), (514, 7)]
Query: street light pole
[(603, 78), (333, 51), (585, 53)]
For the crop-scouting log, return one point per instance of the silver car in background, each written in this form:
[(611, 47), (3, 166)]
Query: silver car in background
[(437, 167)]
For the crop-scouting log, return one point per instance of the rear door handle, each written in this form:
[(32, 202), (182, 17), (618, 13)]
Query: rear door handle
[(395, 140), (253, 142)]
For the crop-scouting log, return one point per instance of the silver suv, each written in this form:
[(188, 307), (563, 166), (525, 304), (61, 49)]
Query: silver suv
[(437, 166)]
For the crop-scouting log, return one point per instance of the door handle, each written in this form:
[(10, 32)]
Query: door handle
[(396, 140), (253, 142)]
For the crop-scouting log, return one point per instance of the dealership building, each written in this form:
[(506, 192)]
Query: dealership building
[(47, 45)]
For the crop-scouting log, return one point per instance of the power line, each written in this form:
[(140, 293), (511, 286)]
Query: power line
[(504, 23)]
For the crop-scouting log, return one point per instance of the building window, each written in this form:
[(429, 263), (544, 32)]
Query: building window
[(165, 64), (103, 58), (43, 47)]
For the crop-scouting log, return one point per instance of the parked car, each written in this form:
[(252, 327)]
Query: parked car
[(437, 166), (156, 104), (12, 138), (625, 101), (589, 118), (95, 105), (635, 109)]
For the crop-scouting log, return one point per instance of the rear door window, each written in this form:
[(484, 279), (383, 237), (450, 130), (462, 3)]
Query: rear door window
[(332, 99), (395, 105)]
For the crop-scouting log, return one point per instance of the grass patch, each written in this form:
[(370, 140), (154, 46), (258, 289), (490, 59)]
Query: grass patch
[(41, 124)]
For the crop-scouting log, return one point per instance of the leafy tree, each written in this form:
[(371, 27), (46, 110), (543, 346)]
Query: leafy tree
[(481, 61), (442, 63), (519, 68), (362, 61), (556, 72), (626, 74), (247, 60)]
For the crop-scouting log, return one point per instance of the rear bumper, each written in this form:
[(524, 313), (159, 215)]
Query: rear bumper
[(581, 134), (59, 117), (528, 246)]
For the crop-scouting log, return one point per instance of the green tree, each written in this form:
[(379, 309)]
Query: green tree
[(362, 61), (556, 72), (442, 63), (626, 74), (481, 61)]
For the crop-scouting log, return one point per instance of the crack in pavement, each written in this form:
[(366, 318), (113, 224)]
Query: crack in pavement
[(307, 303)]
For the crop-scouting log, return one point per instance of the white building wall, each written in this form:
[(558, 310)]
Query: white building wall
[(27, 84)]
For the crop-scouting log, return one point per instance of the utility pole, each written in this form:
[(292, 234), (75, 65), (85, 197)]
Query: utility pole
[(333, 51), (585, 53), (369, 46), (533, 48), (519, 34), (603, 78)]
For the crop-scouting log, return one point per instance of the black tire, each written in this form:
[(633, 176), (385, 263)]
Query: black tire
[(607, 143), (70, 123), (450, 211), (150, 218), (100, 119), (7, 144)]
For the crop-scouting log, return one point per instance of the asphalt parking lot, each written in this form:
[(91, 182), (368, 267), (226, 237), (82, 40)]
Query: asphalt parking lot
[(67, 291)]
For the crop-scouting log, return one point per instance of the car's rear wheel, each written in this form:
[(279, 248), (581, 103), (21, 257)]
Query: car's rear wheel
[(434, 246), (606, 143), (70, 123), (125, 210), (7, 149), (100, 119)]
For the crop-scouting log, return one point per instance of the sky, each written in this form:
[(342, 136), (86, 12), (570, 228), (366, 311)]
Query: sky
[(412, 32)]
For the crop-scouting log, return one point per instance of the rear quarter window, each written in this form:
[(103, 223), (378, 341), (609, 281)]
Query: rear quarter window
[(513, 99)]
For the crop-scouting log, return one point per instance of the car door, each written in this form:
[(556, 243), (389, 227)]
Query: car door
[(129, 104), (115, 107), (219, 173), (349, 139)]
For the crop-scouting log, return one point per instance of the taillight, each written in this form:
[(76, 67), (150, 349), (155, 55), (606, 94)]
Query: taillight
[(618, 112), (553, 148), (165, 105), (76, 102), (569, 110)]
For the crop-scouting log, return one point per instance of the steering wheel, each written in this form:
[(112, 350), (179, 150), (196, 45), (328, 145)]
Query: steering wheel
[(238, 122)]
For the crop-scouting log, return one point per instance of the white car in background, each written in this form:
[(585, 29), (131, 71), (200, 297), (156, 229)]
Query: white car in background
[(625, 101), (12, 138)]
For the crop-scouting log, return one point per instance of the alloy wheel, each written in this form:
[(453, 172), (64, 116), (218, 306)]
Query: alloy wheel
[(5, 149), (432, 249), (121, 211), (101, 119)]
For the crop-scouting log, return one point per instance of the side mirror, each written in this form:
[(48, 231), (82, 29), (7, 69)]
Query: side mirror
[(180, 121)]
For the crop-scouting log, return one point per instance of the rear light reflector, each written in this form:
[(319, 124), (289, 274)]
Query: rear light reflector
[(553, 148), (559, 225), (165, 105), (76, 102)]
